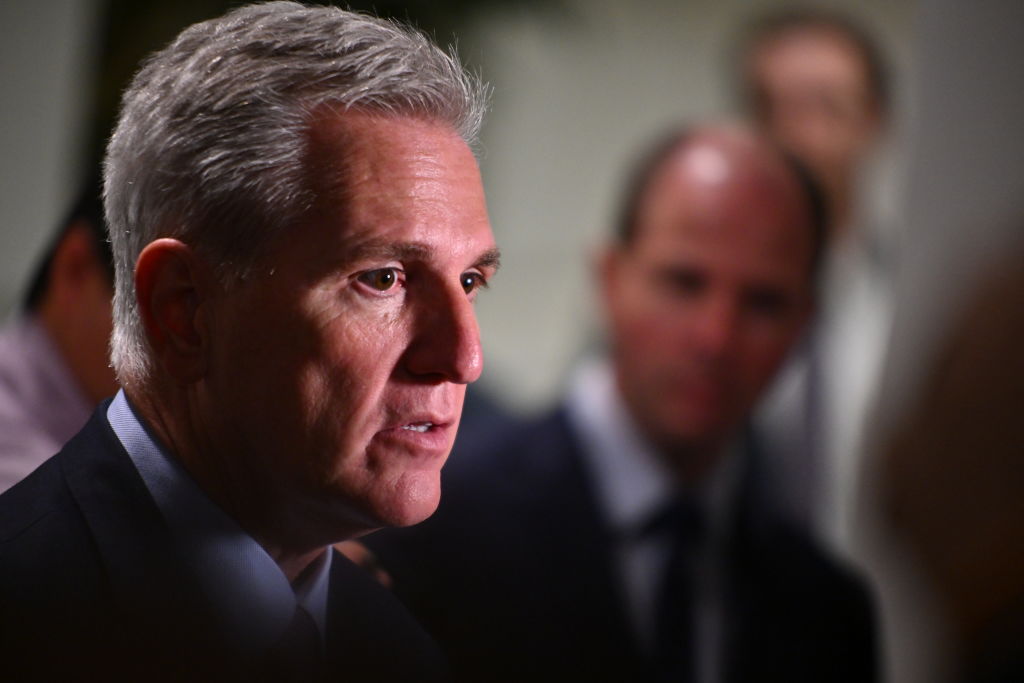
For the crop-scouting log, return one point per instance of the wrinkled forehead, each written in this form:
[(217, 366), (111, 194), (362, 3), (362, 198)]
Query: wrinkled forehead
[(383, 182), (345, 146)]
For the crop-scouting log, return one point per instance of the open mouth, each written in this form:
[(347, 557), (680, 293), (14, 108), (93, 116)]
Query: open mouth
[(418, 427)]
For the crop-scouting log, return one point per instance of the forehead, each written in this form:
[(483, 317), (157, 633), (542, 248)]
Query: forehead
[(737, 202), (379, 177), (806, 52), (348, 152)]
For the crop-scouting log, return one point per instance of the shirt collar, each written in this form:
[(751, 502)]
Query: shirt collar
[(247, 589), (632, 483)]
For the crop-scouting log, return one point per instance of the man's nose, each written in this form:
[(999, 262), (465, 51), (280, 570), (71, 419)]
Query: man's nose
[(446, 341), (716, 327)]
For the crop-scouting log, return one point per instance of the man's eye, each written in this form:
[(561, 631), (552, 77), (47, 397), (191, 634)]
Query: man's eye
[(768, 303), (381, 279), (472, 281), (681, 281)]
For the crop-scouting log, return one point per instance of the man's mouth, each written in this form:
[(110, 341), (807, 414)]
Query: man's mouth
[(418, 426)]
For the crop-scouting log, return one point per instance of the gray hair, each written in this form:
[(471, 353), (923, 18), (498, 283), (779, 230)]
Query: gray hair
[(211, 140)]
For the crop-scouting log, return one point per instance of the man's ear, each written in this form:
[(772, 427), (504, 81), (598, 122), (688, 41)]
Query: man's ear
[(171, 285), (608, 263), (805, 314)]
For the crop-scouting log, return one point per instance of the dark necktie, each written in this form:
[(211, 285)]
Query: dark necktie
[(298, 655), (675, 633)]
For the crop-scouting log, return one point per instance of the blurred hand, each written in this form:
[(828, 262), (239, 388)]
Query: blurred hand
[(362, 556)]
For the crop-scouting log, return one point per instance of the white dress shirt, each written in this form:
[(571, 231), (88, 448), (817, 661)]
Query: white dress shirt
[(632, 486)]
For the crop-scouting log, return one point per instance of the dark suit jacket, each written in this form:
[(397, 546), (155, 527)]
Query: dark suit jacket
[(90, 588), (513, 577)]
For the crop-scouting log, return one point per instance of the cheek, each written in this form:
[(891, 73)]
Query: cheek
[(763, 355), (647, 323), (643, 340), (344, 393)]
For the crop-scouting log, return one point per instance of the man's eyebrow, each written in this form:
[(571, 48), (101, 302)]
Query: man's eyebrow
[(489, 259), (388, 251), (401, 251)]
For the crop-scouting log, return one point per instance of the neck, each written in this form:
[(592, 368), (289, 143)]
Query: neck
[(838, 188), (690, 463), (259, 508)]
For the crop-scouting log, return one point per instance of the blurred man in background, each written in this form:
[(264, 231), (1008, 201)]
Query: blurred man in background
[(54, 358), (626, 537), (817, 84)]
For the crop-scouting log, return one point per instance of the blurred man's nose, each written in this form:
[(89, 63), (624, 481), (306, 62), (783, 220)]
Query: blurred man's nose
[(715, 326), (446, 341)]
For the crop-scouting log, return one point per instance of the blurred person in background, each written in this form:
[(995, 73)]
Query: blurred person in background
[(54, 358), (627, 537), (817, 83)]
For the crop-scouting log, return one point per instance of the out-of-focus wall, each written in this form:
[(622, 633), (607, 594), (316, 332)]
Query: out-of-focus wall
[(578, 91), (45, 60)]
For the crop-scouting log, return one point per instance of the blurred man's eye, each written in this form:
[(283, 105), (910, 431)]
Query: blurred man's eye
[(681, 281), (381, 279), (767, 302)]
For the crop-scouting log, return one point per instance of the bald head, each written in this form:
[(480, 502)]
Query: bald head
[(721, 171), (709, 288)]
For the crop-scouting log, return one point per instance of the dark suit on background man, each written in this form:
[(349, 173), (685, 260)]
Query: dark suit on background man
[(627, 537), (514, 577)]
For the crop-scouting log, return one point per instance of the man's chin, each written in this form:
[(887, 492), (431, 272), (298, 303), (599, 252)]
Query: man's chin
[(696, 435), (410, 505)]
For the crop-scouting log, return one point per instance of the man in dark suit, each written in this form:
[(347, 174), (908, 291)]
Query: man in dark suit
[(626, 537), (299, 231)]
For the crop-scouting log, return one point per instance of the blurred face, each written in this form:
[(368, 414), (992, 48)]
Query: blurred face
[(710, 296), (811, 92), (79, 296), (339, 371)]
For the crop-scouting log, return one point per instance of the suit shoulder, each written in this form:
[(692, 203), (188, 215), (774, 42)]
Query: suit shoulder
[(44, 498), (812, 560), (36, 501)]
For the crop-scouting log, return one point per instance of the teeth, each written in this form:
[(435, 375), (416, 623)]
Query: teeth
[(420, 427)]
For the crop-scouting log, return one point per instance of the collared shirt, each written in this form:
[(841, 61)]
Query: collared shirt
[(247, 589), (632, 486), (41, 404)]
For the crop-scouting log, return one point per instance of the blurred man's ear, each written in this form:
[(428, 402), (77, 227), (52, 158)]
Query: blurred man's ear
[(171, 284), (803, 318), (75, 262), (607, 264)]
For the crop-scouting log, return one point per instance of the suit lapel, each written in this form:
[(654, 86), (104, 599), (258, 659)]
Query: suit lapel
[(764, 640), (155, 598), (578, 547)]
